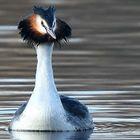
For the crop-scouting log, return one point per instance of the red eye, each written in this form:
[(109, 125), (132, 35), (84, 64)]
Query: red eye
[(42, 23)]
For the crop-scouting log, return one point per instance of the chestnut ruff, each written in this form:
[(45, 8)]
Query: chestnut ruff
[(29, 32)]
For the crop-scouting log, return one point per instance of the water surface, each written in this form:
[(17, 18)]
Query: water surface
[(99, 66)]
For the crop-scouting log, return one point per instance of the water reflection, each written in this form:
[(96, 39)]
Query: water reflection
[(83, 135)]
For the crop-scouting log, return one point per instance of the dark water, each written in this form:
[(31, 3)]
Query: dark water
[(100, 66)]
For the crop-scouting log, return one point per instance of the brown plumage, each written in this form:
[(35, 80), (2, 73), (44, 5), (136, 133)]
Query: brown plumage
[(32, 32), (34, 25)]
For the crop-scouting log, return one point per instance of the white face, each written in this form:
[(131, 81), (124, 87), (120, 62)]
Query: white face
[(39, 22), (43, 27)]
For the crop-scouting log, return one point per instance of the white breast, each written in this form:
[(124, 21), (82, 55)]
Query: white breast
[(44, 110)]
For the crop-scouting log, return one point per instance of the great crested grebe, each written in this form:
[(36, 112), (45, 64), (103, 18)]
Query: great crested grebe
[(46, 110)]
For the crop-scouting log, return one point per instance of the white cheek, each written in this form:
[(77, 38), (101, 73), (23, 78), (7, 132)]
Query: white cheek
[(45, 23), (40, 28)]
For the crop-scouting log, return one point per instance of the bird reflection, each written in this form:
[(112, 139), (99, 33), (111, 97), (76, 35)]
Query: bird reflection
[(82, 135)]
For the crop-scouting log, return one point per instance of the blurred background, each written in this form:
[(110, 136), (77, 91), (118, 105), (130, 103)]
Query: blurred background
[(99, 66), (103, 53)]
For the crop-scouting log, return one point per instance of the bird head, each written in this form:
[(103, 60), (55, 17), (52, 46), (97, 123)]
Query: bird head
[(42, 26)]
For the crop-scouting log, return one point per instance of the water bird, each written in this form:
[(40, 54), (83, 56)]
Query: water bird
[(46, 110)]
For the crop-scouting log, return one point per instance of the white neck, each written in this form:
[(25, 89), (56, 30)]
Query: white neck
[(44, 110), (44, 73), (45, 96)]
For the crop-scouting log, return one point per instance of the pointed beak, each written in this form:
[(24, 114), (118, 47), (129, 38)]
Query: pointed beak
[(51, 33)]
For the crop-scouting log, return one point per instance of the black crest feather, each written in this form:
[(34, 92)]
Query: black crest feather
[(47, 14), (62, 31), (31, 36)]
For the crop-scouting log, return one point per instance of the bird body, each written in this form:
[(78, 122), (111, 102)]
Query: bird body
[(46, 110)]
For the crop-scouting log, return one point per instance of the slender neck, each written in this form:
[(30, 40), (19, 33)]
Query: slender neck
[(44, 73), (45, 94)]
